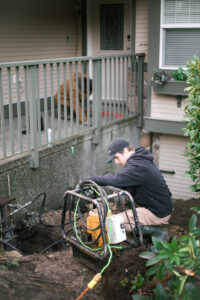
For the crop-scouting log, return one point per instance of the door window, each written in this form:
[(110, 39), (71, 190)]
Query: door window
[(112, 26)]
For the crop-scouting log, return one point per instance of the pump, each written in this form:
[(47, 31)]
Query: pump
[(93, 228)]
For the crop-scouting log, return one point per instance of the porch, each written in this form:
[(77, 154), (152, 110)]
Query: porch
[(29, 107)]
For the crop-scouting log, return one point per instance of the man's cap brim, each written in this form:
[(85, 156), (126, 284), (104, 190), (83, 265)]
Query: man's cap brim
[(110, 159)]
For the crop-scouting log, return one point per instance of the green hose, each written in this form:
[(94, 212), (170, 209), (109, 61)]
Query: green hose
[(97, 249)]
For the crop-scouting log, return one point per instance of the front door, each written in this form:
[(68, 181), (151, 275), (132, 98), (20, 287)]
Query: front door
[(109, 27), (109, 33)]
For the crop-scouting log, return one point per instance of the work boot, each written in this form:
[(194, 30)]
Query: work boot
[(155, 231)]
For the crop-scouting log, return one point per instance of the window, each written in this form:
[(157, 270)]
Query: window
[(112, 26), (180, 32)]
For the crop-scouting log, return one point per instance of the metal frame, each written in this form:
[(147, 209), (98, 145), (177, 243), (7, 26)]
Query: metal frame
[(6, 229), (82, 192)]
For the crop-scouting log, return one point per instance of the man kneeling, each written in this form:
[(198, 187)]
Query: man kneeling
[(142, 179)]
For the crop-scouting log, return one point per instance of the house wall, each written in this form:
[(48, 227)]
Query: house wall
[(38, 30), (171, 157), (166, 107), (165, 116), (141, 39), (31, 30), (169, 149)]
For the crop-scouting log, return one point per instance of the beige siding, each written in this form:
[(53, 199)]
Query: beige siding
[(141, 43), (165, 107), (38, 29), (171, 157)]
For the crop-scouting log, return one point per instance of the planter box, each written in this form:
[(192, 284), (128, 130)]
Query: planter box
[(170, 88)]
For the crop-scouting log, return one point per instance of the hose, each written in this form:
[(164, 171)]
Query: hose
[(51, 226), (103, 196), (83, 293), (98, 276), (42, 211)]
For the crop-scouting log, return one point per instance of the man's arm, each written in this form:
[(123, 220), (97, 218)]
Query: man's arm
[(128, 176)]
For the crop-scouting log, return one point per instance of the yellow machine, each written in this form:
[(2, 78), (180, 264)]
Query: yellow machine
[(92, 223)]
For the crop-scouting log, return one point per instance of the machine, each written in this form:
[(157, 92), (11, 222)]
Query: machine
[(93, 229)]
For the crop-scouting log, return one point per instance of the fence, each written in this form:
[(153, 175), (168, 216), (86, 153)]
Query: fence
[(67, 96)]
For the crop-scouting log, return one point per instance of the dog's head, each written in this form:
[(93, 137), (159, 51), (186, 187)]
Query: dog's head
[(86, 82)]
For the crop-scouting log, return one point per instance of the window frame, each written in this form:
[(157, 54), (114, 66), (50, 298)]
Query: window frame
[(163, 28)]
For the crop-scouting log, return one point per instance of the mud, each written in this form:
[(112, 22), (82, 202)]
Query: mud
[(58, 275)]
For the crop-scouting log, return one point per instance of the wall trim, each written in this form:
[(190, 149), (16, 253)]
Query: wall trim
[(164, 126)]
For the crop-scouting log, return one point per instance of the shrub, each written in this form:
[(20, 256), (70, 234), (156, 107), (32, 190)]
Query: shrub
[(192, 117), (174, 268)]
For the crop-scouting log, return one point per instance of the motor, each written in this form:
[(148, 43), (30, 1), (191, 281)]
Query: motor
[(98, 224)]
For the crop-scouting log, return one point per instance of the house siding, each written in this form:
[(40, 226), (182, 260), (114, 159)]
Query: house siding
[(165, 107), (141, 44), (169, 151), (38, 30), (171, 157)]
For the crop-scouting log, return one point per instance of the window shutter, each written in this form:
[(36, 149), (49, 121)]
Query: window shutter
[(181, 45), (181, 12)]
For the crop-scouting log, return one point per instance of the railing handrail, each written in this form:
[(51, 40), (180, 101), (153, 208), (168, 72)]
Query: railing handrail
[(67, 59)]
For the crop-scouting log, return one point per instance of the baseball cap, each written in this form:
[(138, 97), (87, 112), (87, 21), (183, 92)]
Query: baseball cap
[(116, 146)]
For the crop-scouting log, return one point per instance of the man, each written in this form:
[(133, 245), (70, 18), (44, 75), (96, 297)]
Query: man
[(141, 177)]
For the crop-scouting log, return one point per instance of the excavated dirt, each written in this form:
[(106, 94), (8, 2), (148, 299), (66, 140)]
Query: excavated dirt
[(56, 274)]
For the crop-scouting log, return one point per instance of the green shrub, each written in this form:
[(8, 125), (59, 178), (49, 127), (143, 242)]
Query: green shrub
[(173, 267), (192, 117)]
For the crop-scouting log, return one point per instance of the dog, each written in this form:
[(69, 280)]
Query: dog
[(74, 85)]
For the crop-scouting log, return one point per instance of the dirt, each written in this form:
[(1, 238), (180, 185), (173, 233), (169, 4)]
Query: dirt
[(56, 274)]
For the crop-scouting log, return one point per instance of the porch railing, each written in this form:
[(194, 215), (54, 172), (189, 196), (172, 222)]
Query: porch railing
[(66, 96)]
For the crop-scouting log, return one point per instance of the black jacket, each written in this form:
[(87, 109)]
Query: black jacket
[(141, 177)]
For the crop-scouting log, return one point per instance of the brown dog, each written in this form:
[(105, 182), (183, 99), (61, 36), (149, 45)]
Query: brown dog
[(73, 85)]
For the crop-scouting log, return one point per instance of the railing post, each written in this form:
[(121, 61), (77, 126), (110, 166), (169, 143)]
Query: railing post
[(140, 91), (34, 159), (97, 99)]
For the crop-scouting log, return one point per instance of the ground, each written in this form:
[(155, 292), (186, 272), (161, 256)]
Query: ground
[(56, 274)]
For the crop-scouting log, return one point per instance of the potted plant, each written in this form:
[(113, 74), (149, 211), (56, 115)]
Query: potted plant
[(179, 75), (161, 77)]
